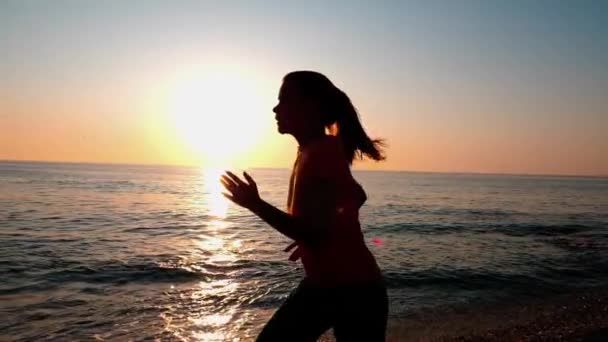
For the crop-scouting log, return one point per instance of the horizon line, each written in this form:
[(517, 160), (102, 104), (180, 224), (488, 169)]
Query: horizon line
[(287, 168)]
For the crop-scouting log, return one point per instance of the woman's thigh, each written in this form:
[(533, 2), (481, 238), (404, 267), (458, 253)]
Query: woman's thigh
[(362, 313), (302, 317)]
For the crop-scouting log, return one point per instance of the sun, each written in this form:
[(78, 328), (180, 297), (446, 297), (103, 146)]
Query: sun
[(219, 114)]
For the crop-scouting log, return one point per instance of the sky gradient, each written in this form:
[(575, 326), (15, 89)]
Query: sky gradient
[(453, 86)]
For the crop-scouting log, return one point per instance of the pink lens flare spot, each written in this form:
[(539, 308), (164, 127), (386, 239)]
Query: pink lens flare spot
[(378, 242)]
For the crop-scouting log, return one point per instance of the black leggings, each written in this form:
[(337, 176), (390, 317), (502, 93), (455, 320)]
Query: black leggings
[(355, 312)]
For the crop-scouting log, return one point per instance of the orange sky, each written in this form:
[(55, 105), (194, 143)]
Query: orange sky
[(106, 85)]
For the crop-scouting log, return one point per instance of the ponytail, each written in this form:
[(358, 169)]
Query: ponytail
[(357, 144), (339, 115)]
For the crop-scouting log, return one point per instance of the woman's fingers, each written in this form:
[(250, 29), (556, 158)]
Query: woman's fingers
[(235, 178), (228, 196), (228, 183), (249, 179), (227, 186), (239, 191), (290, 247)]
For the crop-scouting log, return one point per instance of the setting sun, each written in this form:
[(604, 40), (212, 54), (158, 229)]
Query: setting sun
[(219, 114)]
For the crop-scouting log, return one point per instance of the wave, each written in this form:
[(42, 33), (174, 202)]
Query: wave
[(511, 229), (107, 273), (587, 243), (470, 279), (141, 272), (424, 209), (453, 278), (120, 273), (527, 229)]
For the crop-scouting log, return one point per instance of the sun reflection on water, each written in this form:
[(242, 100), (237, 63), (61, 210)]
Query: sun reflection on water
[(205, 311), (216, 203)]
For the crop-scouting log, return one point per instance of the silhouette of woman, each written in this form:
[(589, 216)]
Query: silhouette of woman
[(343, 287)]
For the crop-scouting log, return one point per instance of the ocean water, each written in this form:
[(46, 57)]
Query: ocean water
[(117, 252)]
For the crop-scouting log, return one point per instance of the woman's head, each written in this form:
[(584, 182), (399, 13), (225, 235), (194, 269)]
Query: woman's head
[(309, 103)]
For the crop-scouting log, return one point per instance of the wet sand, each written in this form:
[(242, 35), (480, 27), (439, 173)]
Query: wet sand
[(580, 316)]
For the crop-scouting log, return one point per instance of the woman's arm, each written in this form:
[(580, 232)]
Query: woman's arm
[(295, 228), (307, 231)]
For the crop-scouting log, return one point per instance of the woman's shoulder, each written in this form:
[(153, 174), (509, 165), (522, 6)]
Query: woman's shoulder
[(325, 146), (326, 155)]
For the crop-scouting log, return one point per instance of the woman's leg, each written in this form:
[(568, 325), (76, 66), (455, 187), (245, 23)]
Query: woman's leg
[(302, 317), (362, 313)]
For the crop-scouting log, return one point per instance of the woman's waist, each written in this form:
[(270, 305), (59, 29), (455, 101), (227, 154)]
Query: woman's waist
[(342, 243), (345, 274), (348, 285), (343, 253), (355, 262)]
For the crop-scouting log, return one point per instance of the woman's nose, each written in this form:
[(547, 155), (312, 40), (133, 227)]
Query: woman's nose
[(276, 112)]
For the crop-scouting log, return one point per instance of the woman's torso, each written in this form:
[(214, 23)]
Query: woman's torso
[(342, 257)]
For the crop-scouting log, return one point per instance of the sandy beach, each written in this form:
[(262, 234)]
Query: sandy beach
[(581, 316)]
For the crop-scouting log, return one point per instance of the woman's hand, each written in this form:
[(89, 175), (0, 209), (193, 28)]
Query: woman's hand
[(242, 193)]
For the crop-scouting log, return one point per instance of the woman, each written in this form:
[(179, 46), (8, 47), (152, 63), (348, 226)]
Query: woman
[(343, 287)]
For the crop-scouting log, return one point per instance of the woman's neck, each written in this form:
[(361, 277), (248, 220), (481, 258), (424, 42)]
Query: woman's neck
[(304, 140)]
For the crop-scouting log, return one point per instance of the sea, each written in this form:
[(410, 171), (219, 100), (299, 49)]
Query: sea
[(129, 252)]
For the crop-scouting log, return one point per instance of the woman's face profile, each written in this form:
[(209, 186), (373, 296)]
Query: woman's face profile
[(294, 114)]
